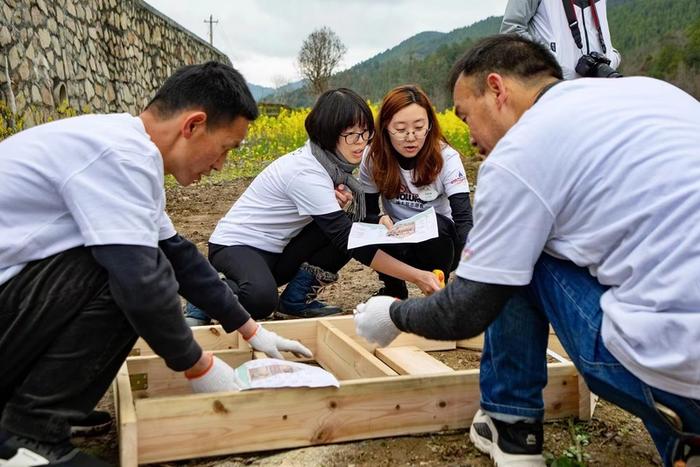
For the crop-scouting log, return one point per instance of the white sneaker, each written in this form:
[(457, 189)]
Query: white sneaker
[(509, 444)]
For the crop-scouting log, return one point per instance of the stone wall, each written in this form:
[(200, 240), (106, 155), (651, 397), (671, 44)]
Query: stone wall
[(98, 55)]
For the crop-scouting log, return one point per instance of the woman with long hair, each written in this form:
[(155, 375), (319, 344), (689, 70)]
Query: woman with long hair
[(288, 227), (411, 167)]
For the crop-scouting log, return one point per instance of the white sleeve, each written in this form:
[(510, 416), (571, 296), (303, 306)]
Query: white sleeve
[(511, 226), (313, 194), (166, 229), (453, 175), (366, 179), (113, 201)]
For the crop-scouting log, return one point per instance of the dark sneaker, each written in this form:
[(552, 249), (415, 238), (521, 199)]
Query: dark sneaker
[(298, 300), (509, 444), (17, 451), (97, 422), (313, 309)]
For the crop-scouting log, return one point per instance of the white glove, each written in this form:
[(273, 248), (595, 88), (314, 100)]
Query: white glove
[(271, 344), (219, 377), (373, 322)]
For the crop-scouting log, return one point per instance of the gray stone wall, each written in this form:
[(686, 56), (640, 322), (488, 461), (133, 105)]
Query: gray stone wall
[(98, 55)]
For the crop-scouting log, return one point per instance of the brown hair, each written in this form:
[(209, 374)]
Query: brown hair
[(385, 167)]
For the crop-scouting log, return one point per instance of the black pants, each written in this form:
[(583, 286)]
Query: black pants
[(62, 341), (254, 274), (442, 252)]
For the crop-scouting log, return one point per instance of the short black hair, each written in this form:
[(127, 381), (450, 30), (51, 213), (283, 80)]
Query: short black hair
[(334, 111), (218, 89), (508, 55)]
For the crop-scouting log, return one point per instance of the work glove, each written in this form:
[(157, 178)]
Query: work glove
[(373, 321), (272, 344), (218, 377)]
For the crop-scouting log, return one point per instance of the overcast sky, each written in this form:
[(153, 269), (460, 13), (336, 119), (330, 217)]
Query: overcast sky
[(262, 37)]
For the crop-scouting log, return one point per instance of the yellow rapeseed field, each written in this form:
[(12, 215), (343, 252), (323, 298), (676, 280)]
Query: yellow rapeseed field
[(270, 137)]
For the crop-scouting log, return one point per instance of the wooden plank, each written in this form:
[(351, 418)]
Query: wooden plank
[(477, 343), (473, 343), (209, 337), (346, 325), (163, 381), (173, 428), (411, 360), (586, 399), (345, 358), (126, 418)]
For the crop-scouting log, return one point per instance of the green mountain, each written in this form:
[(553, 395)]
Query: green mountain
[(659, 38), (419, 59)]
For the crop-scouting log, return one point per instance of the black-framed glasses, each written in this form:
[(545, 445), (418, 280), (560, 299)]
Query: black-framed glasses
[(403, 135), (353, 138)]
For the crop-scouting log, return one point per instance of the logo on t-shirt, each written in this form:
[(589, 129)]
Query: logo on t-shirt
[(460, 178), (467, 253), (409, 199)]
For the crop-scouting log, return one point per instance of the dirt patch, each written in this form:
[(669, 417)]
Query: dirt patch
[(615, 438)]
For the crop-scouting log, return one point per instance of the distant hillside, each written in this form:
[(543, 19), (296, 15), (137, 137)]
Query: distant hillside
[(655, 38), (418, 59), (659, 38), (259, 92)]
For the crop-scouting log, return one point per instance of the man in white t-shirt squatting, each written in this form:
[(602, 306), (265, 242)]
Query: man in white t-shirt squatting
[(587, 216), (89, 260)]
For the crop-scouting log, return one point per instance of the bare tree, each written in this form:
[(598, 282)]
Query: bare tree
[(319, 56)]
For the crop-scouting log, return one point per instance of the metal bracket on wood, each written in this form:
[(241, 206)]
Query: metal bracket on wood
[(139, 381)]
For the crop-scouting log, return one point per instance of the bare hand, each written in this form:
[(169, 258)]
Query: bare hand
[(427, 282), (343, 196), (386, 221)]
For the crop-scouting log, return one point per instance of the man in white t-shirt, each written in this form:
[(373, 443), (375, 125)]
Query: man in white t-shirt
[(89, 260), (586, 217)]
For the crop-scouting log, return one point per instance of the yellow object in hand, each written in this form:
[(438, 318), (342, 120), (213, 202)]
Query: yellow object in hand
[(440, 277)]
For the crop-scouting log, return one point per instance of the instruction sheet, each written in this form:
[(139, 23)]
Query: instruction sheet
[(419, 228)]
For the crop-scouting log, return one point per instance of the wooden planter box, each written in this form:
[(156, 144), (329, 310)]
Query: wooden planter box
[(393, 391)]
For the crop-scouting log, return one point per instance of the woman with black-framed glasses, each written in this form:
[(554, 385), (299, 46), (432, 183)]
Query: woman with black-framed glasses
[(288, 226), (411, 166)]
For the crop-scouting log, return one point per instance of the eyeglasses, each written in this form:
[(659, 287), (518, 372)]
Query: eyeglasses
[(354, 138), (418, 133)]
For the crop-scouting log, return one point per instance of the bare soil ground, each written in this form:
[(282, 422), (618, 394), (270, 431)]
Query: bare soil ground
[(615, 438)]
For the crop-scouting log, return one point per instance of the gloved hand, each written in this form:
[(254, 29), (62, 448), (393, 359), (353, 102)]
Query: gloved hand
[(373, 322), (270, 343), (218, 377)]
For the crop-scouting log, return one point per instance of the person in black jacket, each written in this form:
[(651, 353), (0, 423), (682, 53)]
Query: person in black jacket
[(411, 166), (89, 260)]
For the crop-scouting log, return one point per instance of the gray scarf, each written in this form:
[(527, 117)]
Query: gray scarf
[(340, 172)]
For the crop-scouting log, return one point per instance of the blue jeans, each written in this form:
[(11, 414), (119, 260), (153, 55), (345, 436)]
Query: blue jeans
[(513, 365)]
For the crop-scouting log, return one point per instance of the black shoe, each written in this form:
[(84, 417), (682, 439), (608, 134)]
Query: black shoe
[(21, 451), (313, 309), (508, 444), (298, 300), (97, 422)]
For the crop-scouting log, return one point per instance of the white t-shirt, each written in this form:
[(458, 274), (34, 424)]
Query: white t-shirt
[(279, 203), (605, 173), (412, 199), (89, 180)]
